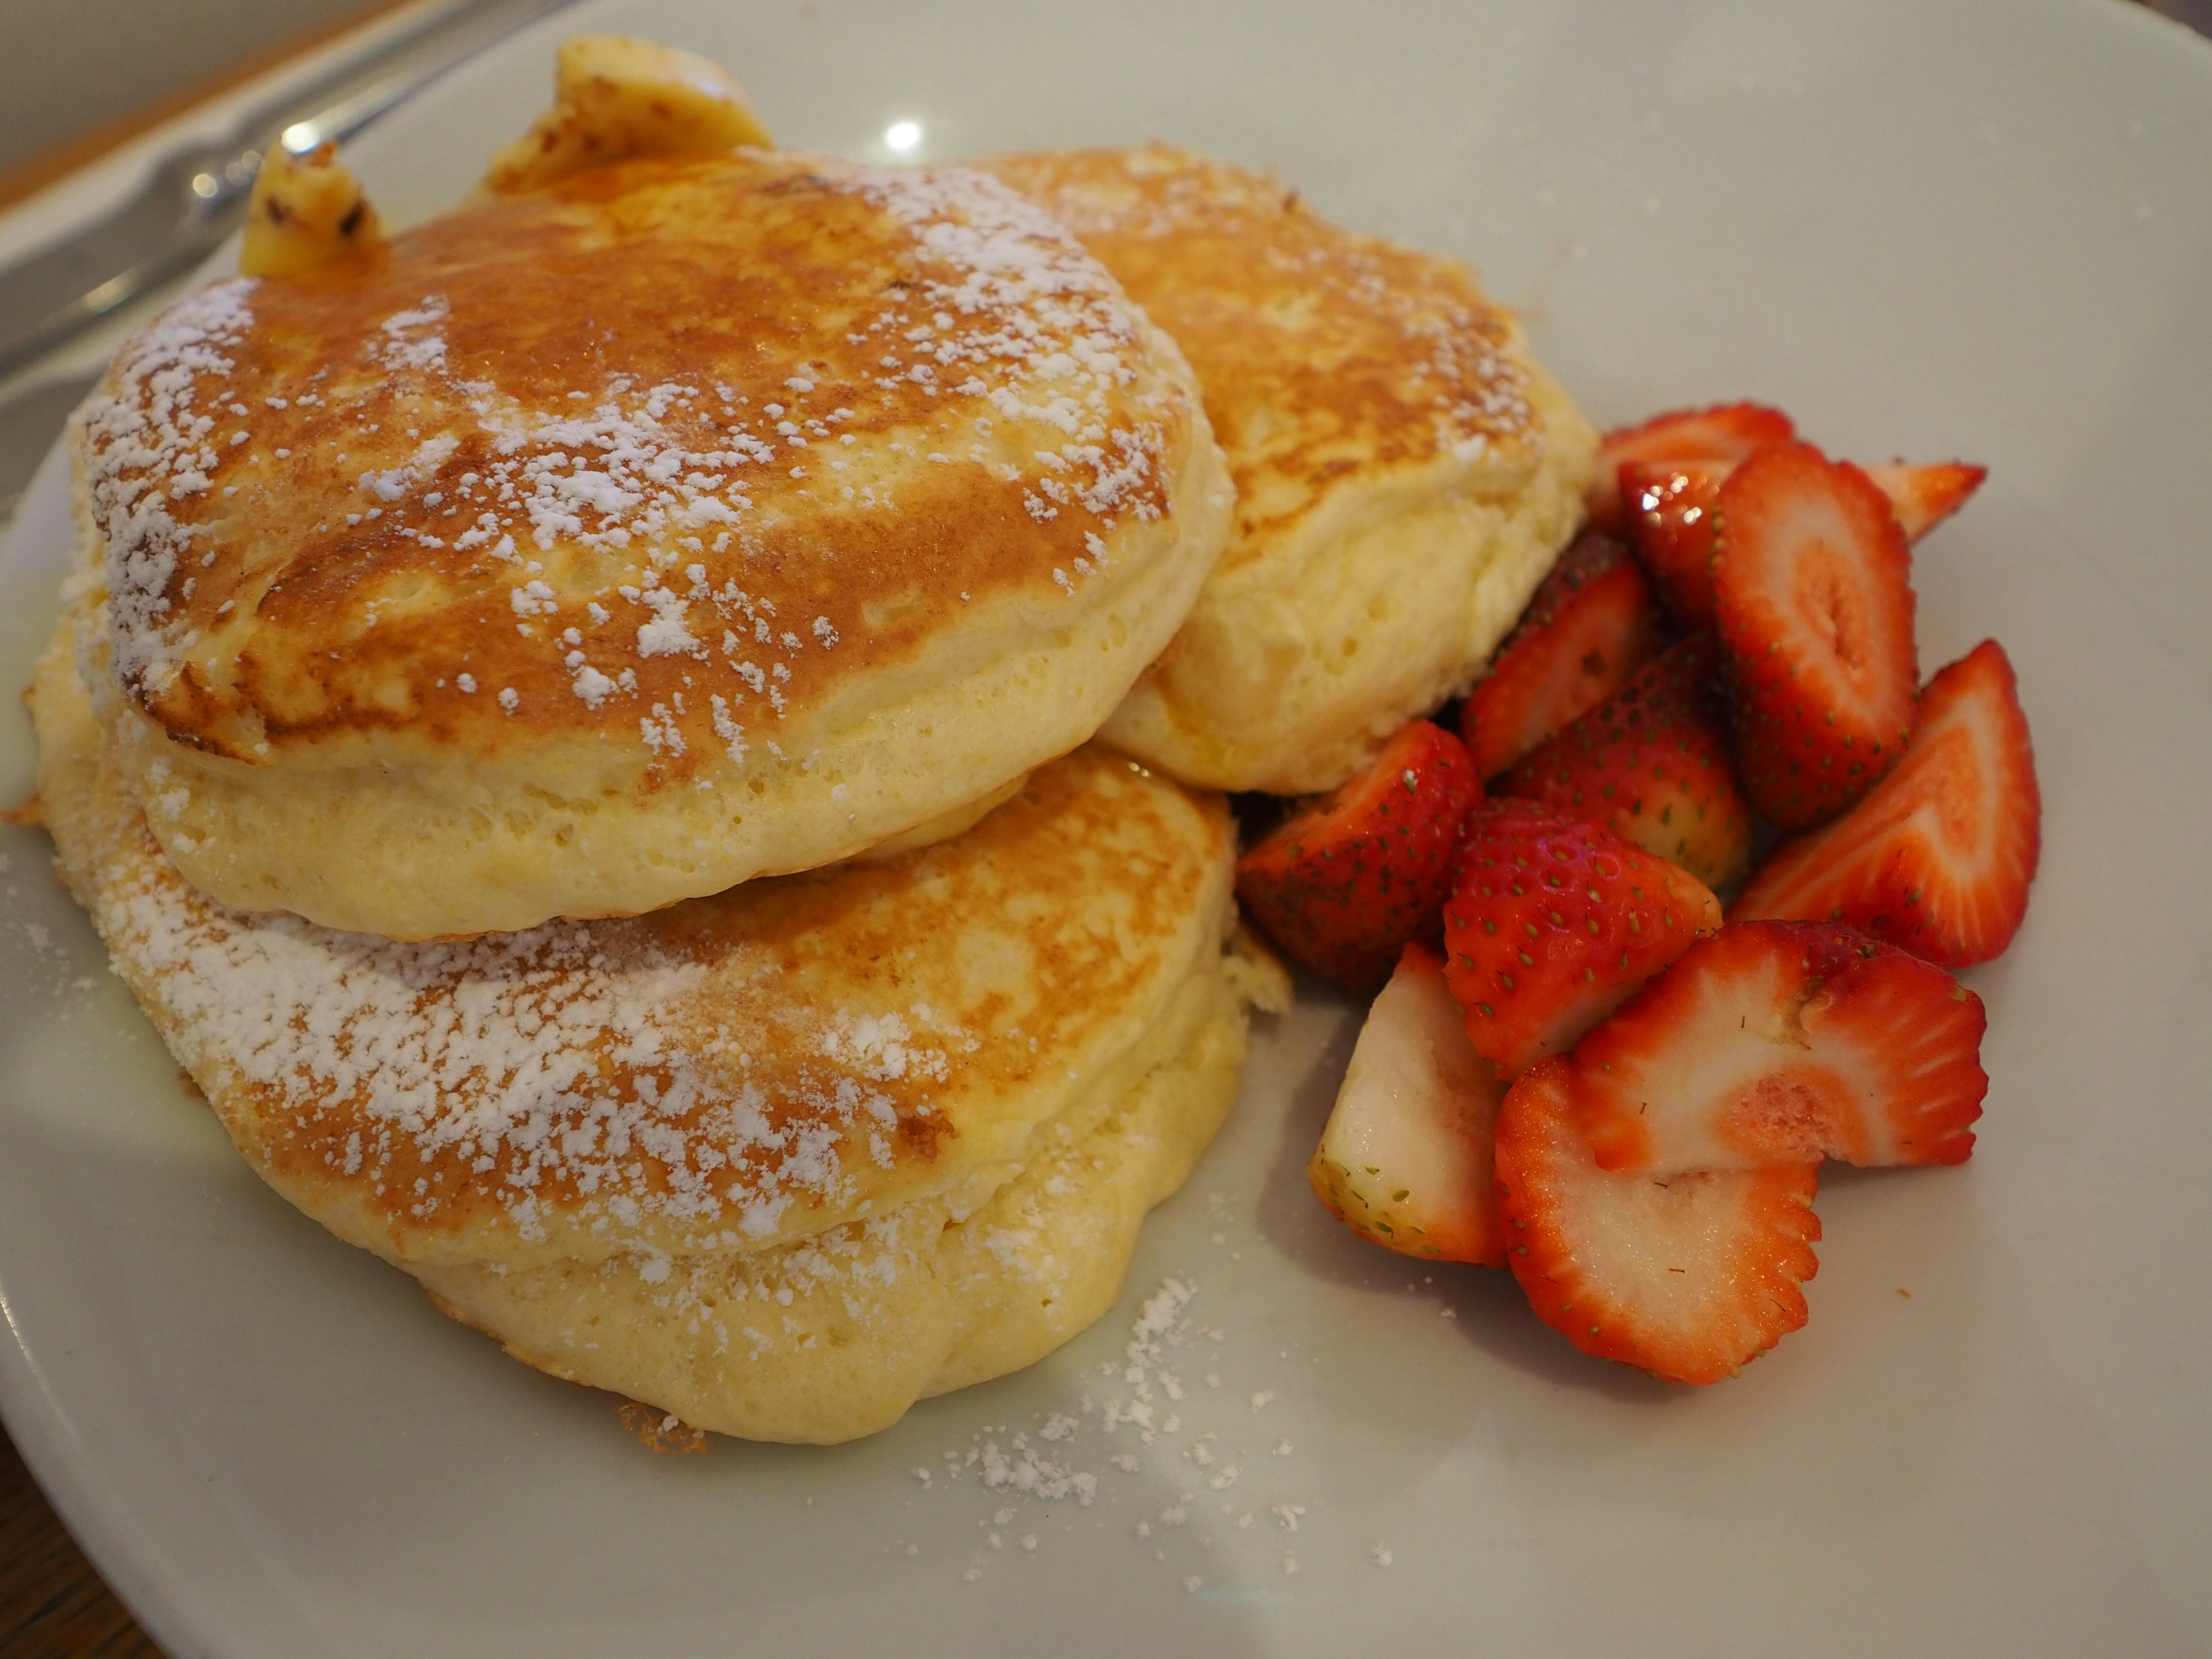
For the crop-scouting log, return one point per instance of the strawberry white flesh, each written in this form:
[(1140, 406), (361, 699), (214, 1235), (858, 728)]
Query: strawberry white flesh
[(1686, 1277), (1404, 1159), (1924, 496), (1813, 592), (1774, 1044)]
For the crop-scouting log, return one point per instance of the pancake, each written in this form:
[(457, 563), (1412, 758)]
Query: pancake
[(685, 520), (1405, 471), (780, 1160)]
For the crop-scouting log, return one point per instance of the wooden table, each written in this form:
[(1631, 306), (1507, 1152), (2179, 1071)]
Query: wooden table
[(52, 1604)]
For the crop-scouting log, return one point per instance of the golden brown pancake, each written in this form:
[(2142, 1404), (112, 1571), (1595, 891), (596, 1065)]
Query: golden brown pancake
[(779, 1160), (686, 520), (1405, 471)]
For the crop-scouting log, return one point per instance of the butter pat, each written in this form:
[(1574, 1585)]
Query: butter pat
[(615, 98), (306, 211)]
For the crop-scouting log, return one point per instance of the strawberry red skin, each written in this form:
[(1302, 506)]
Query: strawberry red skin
[(1594, 1251), (1553, 922), (1344, 884), (1669, 505), (1721, 434), (1652, 763), (1938, 859), (1776, 1042), (1593, 622), (1812, 583)]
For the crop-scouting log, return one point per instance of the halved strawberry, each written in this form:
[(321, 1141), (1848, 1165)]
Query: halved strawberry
[(1924, 496), (1777, 1042), (1669, 505), (1651, 762), (1553, 923), (1813, 586), (1344, 884), (1591, 625), (1686, 1277), (1938, 858), (1669, 509), (1724, 433), (1405, 1158)]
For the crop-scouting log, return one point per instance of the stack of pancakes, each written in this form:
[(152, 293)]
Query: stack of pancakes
[(575, 724)]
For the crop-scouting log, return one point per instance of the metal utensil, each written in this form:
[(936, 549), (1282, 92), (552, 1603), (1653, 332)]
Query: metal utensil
[(196, 197)]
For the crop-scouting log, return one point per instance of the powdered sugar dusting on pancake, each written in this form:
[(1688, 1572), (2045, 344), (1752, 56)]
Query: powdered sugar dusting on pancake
[(622, 520), (1325, 356), (154, 440), (566, 1056)]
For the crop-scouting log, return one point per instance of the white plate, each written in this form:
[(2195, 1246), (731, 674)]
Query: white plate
[(1973, 228)]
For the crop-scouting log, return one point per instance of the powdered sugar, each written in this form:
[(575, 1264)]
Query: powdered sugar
[(150, 444), (1409, 327), (569, 1059), (1118, 1452), (409, 342), (675, 484)]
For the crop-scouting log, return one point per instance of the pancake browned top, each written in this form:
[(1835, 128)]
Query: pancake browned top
[(589, 445), (724, 1074), (688, 521), (1328, 359)]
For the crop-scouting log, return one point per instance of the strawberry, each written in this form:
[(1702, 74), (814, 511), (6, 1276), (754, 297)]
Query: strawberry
[(1591, 625), (1669, 508), (1652, 763), (1723, 435), (1669, 505), (1938, 858), (1812, 585), (1924, 496), (1781, 1043), (1343, 884), (1405, 1158), (1686, 1277), (1553, 923)]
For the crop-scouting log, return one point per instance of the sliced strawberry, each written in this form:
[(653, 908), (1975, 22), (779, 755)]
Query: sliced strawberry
[(1651, 762), (1687, 1278), (1669, 508), (1723, 434), (1778, 1042), (1924, 496), (1405, 1158), (1939, 857), (1553, 923), (1592, 624), (1669, 505), (1344, 884), (1811, 581)]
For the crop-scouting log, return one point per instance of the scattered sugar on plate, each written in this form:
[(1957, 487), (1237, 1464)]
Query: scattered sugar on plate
[(1080, 1449)]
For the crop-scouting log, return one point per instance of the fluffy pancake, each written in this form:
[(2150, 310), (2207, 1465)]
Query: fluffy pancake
[(1405, 471), (608, 545), (779, 1160)]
